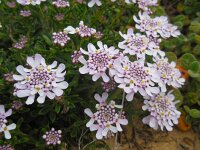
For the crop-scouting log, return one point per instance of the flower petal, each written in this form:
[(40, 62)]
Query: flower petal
[(88, 112), (41, 99), (57, 91), (30, 100), (23, 93)]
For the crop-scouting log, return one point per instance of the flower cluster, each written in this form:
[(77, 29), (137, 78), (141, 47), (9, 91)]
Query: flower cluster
[(61, 4), (30, 2), (3, 127), (6, 147), (82, 30), (21, 43), (11, 4), (109, 86), (163, 112), (106, 120), (158, 26), (99, 61), (60, 38), (25, 13), (42, 79), (53, 137), (75, 56)]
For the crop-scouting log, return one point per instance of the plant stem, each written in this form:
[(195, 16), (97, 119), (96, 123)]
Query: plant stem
[(116, 136)]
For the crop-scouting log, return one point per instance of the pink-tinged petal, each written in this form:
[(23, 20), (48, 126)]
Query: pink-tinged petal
[(8, 113), (30, 100), (38, 58), (23, 93), (20, 69), (153, 123), (118, 80), (146, 120), (82, 60), (41, 99), (57, 91), (94, 127), (98, 98), (91, 121), (105, 131), (20, 86), (113, 129), (123, 121), (2, 109), (118, 127), (18, 77), (104, 96), (130, 31), (99, 133), (62, 85), (7, 134), (59, 79), (105, 77), (60, 68), (95, 77), (51, 95), (84, 69), (88, 112), (11, 126), (129, 96)]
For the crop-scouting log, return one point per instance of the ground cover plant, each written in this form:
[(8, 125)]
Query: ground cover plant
[(71, 71)]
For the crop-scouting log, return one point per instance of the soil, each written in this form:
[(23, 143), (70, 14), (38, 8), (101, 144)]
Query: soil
[(141, 137)]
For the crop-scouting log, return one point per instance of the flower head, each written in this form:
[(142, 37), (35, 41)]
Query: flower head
[(6, 129), (6, 147), (21, 43), (60, 38), (84, 31), (25, 13), (40, 79), (9, 77), (75, 56), (167, 73), (139, 45), (106, 120), (158, 26), (109, 86), (28, 2), (99, 61), (53, 137), (61, 3), (163, 112), (11, 4), (17, 105), (59, 17), (134, 77)]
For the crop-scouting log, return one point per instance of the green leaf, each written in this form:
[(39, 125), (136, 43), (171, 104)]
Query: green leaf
[(194, 69), (47, 40), (186, 60), (171, 56), (194, 113)]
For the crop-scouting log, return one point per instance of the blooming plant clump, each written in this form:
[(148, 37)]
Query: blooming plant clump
[(127, 50), (40, 79)]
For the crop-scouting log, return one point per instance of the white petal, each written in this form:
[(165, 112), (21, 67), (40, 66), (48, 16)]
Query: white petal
[(123, 121), (30, 100), (2, 109), (30, 61), (51, 95), (105, 78), (129, 96), (82, 60), (91, 121), (104, 96), (88, 112), (113, 129), (41, 99), (94, 127), (7, 134), (84, 69), (57, 91), (23, 93), (105, 131), (53, 65), (11, 126), (18, 77), (60, 68), (20, 69), (62, 85), (8, 113), (99, 133), (118, 127), (98, 98), (70, 30)]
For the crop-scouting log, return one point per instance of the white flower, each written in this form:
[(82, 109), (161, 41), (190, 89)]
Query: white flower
[(106, 119), (134, 77), (167, 73), (4, 114), (41, 79), (6, 130), (28, 2), (139, 45), (158, 26), (162, 110), (94, 2), (99, 61)]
